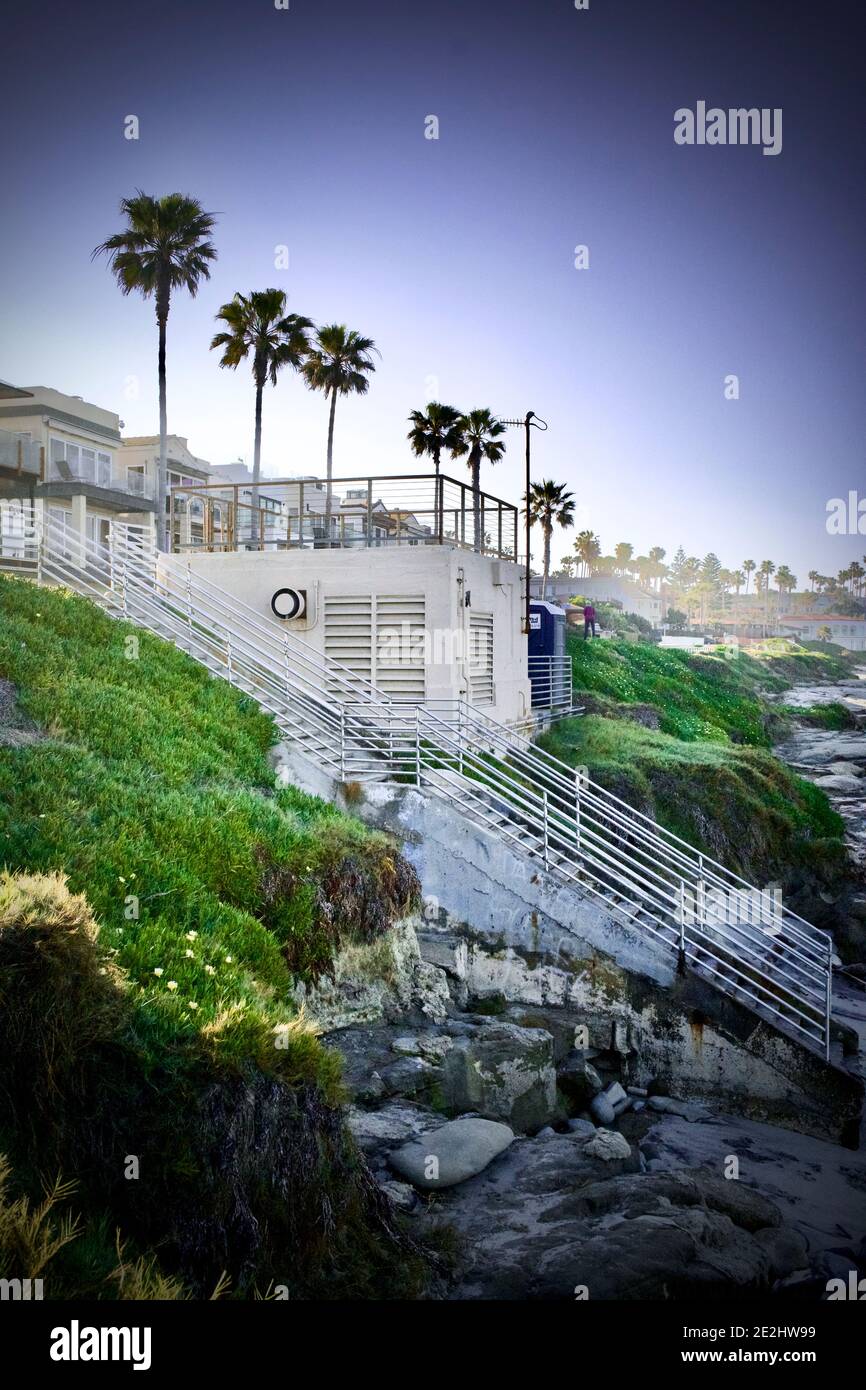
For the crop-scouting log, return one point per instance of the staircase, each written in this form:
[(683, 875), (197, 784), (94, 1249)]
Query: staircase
[(714, 922)]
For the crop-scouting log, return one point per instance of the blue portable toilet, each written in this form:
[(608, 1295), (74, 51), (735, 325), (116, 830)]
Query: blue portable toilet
[(546, 652)]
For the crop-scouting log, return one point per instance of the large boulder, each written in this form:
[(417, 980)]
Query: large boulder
[(451, 1154), (504, 1073)]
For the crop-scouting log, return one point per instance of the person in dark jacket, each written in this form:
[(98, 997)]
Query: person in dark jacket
[(589, 621)]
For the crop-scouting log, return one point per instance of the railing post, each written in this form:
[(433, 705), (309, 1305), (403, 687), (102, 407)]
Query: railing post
[(229, 656), (417, 746), (546, 830), (286, 659), (681, 953), (828, 1001), (342, 743), (189, 597)]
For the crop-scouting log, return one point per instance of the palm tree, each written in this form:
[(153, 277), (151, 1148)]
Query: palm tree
[(549, 504), (766, 568), (430, 434), (813, 578), (258, 325), (164, 246), (338, 364), (587, 548), (623, 553), (479, 438), (748, 567), (739, 580)]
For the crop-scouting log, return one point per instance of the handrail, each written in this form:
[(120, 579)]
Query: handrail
[(585, 835)]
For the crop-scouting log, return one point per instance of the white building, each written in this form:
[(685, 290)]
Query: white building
[(845, 632), (61, 460)]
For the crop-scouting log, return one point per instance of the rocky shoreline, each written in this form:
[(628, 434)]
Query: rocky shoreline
[(558, 1177)]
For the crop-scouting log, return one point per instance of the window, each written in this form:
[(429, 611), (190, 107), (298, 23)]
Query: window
[(70, 462)]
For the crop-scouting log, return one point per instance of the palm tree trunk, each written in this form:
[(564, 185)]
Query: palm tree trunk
[(163, 540), (330, 466), (475, 465), (257, 466), (547, 534), (437, 509)]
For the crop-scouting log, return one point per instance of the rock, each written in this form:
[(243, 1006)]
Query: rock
[(445, 950), (687, 1110), (433, 1046), (408, 1077), (637, 1091), (537, 1224), (608, 1145), (406, 1047), (615, 1093), (451, 1154), (585, 1128), (546, 1132), (578, 1078), (400, 1193), (845, 770), (504, 1073), (857, 906), (395, 1123), (622, 1105), (841, 783), (602, 1111)]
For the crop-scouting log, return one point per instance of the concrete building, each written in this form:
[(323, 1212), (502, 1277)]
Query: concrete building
[(61, 460), (396, 591)]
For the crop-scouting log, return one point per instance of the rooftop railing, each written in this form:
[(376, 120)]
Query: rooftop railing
[(301, 513)]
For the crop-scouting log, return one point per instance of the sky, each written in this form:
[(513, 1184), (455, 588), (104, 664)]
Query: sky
[(305, 127)]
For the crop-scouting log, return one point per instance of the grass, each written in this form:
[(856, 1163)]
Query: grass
[(162, 897), (686, 739), (153, 793), (708, 696)]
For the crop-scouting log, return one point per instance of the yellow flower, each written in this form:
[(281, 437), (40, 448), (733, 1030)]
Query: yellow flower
[(172, 984), (193, 1004), (190, 955), (209, 970), (158, 970)]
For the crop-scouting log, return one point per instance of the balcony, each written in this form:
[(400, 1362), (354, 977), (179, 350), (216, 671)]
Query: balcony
[(295, 513), (97, 470), (20, 458)]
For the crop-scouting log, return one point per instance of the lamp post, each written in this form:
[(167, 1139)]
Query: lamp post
[(534, 422)]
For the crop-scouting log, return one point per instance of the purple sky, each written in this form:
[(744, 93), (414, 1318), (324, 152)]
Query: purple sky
[(306, 128)]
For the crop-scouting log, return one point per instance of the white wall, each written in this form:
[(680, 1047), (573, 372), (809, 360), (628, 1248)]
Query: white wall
[(441, 575)]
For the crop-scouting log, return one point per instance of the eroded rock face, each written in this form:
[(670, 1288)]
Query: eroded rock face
[(452, 1153), (504, 1073)]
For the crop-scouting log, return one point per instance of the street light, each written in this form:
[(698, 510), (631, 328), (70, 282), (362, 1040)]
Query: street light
[(535, 422)]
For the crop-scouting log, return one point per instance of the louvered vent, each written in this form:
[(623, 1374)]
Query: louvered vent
[(400, 670), (481, 658), (349, 632)]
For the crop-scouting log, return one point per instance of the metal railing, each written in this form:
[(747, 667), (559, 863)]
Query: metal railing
[(771, 960), (308, 513), (550, 680)]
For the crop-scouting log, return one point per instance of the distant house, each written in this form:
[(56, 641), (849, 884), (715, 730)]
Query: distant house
[(61, 460), (845, 632), (605, 589)]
